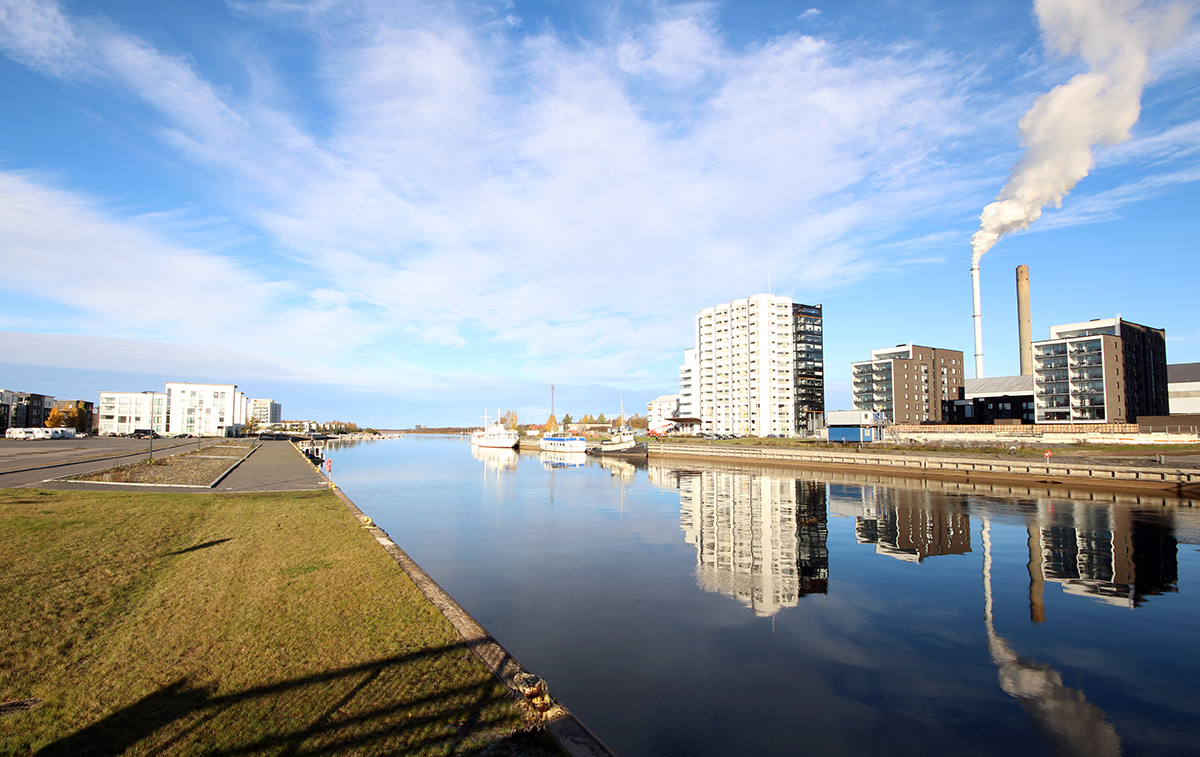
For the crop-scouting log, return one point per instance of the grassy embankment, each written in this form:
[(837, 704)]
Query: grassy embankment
[(227, 624)]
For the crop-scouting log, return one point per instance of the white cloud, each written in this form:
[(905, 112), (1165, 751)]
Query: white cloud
[(478, 189), (38, 35)]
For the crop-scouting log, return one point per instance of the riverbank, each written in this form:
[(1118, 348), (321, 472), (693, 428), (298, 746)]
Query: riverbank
[(1161, 479), (248, 623)]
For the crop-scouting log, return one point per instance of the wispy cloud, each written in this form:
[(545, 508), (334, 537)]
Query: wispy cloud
[(37, 34), (479, 188)]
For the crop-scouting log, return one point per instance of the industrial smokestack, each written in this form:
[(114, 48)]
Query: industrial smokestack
[(1024, 327), (978, 319), (1100, 106)]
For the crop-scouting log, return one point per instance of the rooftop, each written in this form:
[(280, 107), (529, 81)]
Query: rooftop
[(997, 387), (1181, 372)]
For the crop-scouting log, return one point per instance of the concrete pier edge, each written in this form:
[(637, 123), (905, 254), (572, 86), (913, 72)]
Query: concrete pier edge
[(1176, 482), (573, 737)]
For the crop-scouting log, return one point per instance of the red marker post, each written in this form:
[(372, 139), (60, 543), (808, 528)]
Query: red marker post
[(1048, 453)]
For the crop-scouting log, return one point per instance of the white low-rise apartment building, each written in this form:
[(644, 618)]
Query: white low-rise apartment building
[(126, 412), (746, 367), (181, 408), (205, 409), (661, 412)]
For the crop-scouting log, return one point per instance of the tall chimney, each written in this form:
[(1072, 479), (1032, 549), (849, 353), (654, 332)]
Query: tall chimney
[(978, 319), (1024, 329)]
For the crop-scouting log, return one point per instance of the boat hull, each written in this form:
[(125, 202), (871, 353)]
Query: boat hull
[(637, 449), (563, 444), (494, 443)]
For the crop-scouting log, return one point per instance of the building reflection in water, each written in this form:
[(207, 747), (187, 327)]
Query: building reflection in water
[(904, 524), (1064, 715), (760, 539), (1113, 554)]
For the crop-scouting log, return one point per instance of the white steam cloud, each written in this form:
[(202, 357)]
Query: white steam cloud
[(1115, 38)]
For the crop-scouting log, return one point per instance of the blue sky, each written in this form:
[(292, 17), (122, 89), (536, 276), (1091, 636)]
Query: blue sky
[(401, 212)]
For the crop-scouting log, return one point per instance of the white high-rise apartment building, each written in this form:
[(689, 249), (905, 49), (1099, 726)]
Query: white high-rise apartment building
[(205, 409), (266, 411), (745, 355)]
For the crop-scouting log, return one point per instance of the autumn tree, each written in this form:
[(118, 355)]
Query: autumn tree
[(77, 418), (56, 419), (509, 419), (567, 419), (637, 421), (601, 419), (552, 424), (252, 425), (586, 419)]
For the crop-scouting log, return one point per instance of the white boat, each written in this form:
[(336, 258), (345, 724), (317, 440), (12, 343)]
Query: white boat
[(557, 443), (622, 439), (495, 435)]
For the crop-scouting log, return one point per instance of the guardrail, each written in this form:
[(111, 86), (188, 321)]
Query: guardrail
[(1098, 474)]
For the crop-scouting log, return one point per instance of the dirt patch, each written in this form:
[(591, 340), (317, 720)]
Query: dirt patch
[(197, 468)]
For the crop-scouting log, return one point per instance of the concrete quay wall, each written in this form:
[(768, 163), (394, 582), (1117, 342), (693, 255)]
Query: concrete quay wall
[(1182, 482), (1110, 433)]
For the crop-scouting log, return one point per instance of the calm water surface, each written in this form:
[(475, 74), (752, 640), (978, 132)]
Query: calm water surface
[(689, 608)]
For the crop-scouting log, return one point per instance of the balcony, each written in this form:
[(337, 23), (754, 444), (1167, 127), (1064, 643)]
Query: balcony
[(1051, 351)]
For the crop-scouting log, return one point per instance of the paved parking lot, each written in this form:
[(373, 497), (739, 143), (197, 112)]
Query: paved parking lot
[(275, 466)]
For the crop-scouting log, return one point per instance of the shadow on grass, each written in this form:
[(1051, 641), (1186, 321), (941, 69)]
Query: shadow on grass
[(393, 705), (195, 547)]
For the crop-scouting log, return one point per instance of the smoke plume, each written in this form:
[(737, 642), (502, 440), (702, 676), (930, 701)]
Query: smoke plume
[(1115, 38)]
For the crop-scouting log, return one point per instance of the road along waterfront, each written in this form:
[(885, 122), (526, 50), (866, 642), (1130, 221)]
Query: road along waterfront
[(718, 607)]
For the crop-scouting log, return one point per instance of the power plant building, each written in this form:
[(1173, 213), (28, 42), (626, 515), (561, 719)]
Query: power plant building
[(1183, 388), (758, 368), (908, 383), (1106, 370)]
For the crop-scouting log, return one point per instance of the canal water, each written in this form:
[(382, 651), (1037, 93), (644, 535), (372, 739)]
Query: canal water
[(693, 608)]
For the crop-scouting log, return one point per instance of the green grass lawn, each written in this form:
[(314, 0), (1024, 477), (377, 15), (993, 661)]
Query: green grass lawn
[(227, 624)]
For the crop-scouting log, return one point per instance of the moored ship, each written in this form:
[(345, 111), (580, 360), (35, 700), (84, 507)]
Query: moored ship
[(495, 435), (559, 443)]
